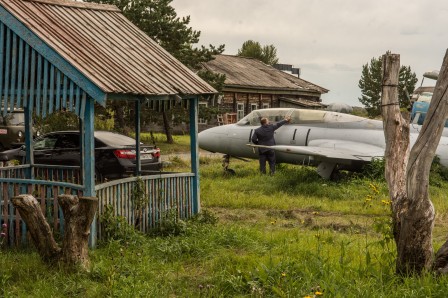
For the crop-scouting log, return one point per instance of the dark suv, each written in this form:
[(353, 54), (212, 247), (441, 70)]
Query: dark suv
[(12, 129)]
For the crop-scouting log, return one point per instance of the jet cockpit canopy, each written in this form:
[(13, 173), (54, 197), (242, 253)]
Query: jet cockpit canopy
[(298, 116)]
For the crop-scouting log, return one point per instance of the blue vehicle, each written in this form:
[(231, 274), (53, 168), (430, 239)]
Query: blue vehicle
[(421, 100)]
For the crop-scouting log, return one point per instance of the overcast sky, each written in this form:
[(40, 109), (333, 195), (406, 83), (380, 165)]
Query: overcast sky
[(329, 40)]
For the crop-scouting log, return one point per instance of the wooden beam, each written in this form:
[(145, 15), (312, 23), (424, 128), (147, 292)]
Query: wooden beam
[(194, 148), (138, 163)]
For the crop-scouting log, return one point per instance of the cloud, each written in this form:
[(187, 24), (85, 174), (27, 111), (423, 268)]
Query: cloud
[(329, 40)]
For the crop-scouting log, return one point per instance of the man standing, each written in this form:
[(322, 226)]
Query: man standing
[(264, 135)]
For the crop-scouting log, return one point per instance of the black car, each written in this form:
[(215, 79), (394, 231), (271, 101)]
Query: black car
[(115, 155)]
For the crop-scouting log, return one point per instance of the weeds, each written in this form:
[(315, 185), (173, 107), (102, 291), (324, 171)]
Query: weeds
[(326, 240)]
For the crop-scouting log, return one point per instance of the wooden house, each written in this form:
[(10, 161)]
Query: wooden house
[(250, 84)]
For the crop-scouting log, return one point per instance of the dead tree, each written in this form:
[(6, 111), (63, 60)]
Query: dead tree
[(408, 178), (396, 132), (78, 216)]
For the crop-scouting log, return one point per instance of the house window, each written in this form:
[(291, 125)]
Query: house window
[(202, 105), (265, 106), (240, 111), (253, 106)]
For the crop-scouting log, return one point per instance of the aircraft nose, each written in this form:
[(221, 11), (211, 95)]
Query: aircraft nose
[(211, 139)]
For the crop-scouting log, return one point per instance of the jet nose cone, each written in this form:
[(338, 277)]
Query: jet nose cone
[(211, 139)]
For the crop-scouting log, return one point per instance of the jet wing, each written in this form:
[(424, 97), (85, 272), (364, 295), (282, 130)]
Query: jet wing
[(331, 149)]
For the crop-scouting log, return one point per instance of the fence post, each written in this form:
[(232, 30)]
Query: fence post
[(194, 148)]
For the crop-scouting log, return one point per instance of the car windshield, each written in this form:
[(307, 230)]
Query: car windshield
[(114, 139), (13, 119)]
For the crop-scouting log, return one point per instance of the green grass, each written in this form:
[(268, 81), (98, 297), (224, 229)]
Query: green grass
[(181, 142), (290, 235)]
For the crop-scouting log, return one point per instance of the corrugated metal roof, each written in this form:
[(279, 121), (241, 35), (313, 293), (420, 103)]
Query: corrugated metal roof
[(303, 102), (249, 72), (106, 47)]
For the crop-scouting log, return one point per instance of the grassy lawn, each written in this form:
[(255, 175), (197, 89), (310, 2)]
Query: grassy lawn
[(181, 142), (290, 235)]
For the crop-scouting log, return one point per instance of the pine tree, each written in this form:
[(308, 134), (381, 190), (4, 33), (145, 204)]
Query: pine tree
[(370, 85), (253, 49)]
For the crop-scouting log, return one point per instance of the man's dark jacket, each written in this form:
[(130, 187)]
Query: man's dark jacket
[(264, 135)]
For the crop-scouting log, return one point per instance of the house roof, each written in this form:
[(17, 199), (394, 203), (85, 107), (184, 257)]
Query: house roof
[(252, 73), (304, 102), (106, 47)]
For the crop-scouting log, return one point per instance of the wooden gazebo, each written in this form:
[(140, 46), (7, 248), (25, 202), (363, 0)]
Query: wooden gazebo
[(65, 55)]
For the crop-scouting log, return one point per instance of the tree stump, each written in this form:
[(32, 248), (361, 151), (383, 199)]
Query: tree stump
[(78, 215), (40, 231)]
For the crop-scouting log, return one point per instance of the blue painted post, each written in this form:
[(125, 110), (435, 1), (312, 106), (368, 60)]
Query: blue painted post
[(194, 147), (138, 166), (3, 100), (29, 138), (7, 71), (44, 87), (20, 74), (88, 151), (39, 84)]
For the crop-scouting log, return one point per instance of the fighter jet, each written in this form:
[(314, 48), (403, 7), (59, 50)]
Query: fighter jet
[(329, 140)]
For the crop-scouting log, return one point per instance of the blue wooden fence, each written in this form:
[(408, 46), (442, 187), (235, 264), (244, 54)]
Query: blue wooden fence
[(163, 192), (45, 188)]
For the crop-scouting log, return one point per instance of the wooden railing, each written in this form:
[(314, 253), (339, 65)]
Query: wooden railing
[(43, 187), (162, 193)]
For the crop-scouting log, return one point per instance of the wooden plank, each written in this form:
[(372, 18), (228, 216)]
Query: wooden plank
[(64, 93), (71, 96), (89, 150), (10, 216), (84, 99), (194, 149), (14, 51), (77, 100), (61, 214), (44, 87), (58, 89), (17, 219), (32, 79), (38, 84), (55, 208), (5, 90), (20, 73), (51, 90), (2, 99)]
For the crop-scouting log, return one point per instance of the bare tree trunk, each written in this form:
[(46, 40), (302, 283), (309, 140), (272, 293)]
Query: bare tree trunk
[(396, 132), (413, 210), (167, 128), (31, 213), (78, 215), (416, 235)]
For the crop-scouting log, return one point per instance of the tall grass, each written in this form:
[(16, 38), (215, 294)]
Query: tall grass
[(289, 235)]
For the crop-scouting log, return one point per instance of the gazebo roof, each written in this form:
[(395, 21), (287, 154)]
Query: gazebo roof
[(105, 47)]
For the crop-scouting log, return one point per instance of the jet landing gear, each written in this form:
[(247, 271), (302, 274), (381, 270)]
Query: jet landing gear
[(225, 165), (327, 170)]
